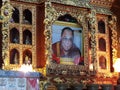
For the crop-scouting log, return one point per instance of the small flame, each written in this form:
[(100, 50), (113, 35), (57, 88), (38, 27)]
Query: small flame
[(26, 68), (91, 67), (117, 65)]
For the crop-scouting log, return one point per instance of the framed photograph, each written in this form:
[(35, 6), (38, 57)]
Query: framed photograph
[(69, 47), (67, 43)]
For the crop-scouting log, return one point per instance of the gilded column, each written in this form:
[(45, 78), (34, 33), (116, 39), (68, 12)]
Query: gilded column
[(6, 13)]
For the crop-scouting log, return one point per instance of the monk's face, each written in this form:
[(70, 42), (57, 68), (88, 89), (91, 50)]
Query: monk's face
[(67, 40)]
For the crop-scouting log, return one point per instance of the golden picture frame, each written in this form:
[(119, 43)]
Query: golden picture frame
[(51, 22)]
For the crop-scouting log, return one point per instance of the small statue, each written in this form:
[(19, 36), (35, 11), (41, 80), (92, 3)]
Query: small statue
[(27, 66), (27, 40), (15, 40), (27, 60), (16, 58)]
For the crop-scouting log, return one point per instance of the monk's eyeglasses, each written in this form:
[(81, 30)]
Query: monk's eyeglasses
[(67, 39)]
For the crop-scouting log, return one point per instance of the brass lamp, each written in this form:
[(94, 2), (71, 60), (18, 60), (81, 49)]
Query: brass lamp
[(117, 69)]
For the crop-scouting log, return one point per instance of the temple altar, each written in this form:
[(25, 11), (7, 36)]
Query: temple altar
[(30, 28), (17, 80)]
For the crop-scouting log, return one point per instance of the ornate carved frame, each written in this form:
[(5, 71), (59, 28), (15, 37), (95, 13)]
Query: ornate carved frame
[(52, 12)]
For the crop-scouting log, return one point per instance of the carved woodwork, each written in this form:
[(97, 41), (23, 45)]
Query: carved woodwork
[(85, 11)]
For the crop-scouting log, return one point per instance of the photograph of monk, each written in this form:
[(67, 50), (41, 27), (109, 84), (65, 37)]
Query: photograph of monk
[(67, 45)]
